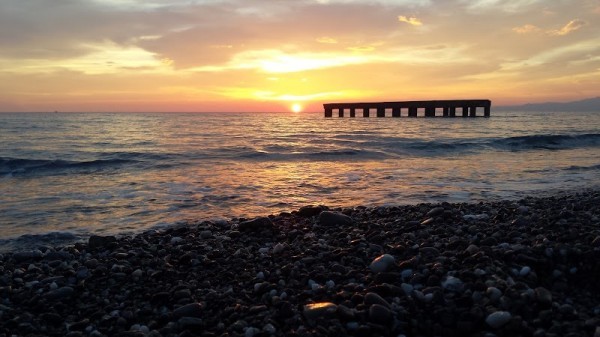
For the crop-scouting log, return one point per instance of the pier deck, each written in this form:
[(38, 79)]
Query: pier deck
[(447, 108)]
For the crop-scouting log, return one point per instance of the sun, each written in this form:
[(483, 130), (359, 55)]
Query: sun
[(296, 107)]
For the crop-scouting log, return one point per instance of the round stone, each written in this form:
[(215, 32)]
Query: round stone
[(382, 263), (498, 319)]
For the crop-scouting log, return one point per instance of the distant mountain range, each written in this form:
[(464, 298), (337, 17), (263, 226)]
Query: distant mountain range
[(590, 104)]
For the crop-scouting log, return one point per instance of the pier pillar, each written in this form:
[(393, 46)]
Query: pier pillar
[(341, 112), (396, 112), (429, 112), (446, 111), (366, 112), (352, 112), (328, 112), (452, 112), (486, 112), (465, 111), (380, 112), (412, 112), (473, 111)]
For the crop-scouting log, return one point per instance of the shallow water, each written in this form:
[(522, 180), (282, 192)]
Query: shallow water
[(65, 176)]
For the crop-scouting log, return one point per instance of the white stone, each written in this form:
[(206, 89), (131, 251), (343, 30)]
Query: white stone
[(407, 288), (176, 239), (352, 325), (482, 216), (452, 283), (382, 263), (498, 319), (278, 248), (251, 331), (269, 328), (493, 293)]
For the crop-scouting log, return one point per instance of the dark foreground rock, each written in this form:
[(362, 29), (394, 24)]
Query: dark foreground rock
[(511, 268)]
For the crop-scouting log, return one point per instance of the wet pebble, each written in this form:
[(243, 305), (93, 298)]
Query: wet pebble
[(382, 263), (498, 319)]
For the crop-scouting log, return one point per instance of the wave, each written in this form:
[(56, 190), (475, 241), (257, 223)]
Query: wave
[(30, 241), (548, 142), (584, 168)]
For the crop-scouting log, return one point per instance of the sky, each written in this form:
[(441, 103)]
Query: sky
[(269, 55)]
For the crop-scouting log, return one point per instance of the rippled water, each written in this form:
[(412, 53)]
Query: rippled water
[(64, 176)]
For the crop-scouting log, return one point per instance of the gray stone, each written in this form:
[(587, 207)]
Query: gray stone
[(327, 218), (27, 256), (256, 224), (319, 310), (206, 234), (188, 310), (373, 298), (379, 314), (543, 296), (382, 263), (310, 211), (60, 293), (189, 321), (498, 319), (436, 211), (97, 241)]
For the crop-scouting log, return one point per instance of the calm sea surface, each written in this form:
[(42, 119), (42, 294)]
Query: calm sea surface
[(66, 176)]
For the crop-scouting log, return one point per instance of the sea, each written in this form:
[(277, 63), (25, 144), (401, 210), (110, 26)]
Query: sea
[(66, 176)]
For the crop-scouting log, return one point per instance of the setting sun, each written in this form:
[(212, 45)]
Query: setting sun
[(296, 107)]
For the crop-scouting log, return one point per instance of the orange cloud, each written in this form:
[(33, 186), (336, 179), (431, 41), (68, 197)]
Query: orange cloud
[(326, 39), (411, 20), (570, 27), (526, 29)]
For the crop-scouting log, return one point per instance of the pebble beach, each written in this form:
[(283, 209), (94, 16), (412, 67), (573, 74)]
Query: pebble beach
[(524, 267)]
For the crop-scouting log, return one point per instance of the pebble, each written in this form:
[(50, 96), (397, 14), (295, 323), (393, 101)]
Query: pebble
[(176, 240), (279, 248), (380, 314), (407, 288), (471, 217), (206, 234), (382, 263), (60, 293), (188, 310), (257, 224), (524, 271), (101, 242), (452, 283), (543, 296), (493, 293), (269, 328), (189, 321), (374, 298), (498, 319), (328, 218), (319, 310), (436, 211)]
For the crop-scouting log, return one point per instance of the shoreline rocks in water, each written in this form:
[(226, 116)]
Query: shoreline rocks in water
[(508, 268)]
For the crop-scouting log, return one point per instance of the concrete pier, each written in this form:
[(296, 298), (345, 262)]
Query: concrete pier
[(442, 108)]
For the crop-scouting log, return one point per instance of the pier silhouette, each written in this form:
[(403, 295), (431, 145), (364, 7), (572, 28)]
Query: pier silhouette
[(437, 108)]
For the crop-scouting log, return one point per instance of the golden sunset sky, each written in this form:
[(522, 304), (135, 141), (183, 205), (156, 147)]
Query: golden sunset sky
[(266, 55)]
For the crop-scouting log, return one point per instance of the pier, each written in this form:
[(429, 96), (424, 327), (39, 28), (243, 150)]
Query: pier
[(442, 108)]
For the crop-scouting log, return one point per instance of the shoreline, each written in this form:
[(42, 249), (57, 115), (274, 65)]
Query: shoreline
[(504, 268)]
